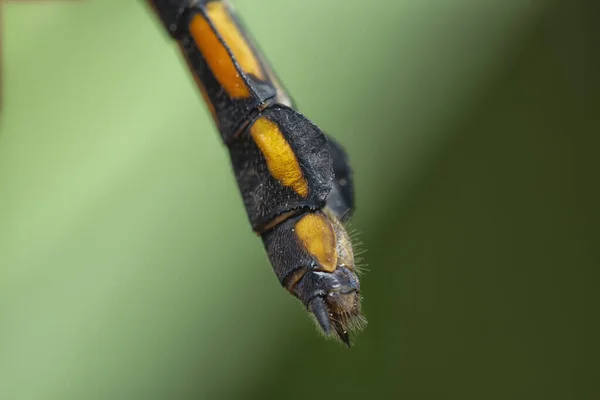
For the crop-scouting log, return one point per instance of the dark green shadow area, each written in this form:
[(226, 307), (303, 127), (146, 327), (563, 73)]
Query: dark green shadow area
[(481, 282)]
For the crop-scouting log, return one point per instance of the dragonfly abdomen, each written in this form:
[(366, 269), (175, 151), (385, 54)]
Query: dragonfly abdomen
[(296, 183)]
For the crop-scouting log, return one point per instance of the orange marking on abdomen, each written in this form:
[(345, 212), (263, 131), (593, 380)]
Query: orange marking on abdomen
[(280, 157), (318, 238), (221, 18), (200, 85), (215, 53)]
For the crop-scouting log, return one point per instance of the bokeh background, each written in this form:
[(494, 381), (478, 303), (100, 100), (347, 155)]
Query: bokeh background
[(128, 269)]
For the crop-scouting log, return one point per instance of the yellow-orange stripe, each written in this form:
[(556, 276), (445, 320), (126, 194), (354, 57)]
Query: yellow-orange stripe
[(215, 53), (280, 157), (200, 84), (221, 18), (318, 238)]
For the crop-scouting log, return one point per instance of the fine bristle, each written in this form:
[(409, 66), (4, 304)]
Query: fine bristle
[(358, 248)]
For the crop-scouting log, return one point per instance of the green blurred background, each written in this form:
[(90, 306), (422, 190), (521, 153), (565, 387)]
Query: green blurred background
[(128, 269)]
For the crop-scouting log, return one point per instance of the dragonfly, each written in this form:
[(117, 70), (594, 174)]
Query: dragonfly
[(295, 181)]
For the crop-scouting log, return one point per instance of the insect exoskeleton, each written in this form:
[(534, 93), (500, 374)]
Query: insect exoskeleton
[(312, 255)]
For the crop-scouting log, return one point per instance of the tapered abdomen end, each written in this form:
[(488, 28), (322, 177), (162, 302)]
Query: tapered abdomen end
[(312, 256), (344, 337)]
